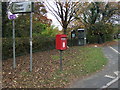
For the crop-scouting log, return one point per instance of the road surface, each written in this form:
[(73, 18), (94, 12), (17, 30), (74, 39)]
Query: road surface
[(104, 77)]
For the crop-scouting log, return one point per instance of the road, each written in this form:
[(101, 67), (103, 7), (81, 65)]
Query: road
[(114, 85), (104, 77)]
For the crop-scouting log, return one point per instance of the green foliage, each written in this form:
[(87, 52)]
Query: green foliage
[(96, 18), (22, 26), (40, 43), (92, 38), (99, 12), (43, 36), (55, 57), (22, 45), (44, 30), (116, 29), (100, 32), (50, 31), (43, 43), (92, 13), (100, 27), (6, 23), (7, 29), (38, 28), (22, 23)]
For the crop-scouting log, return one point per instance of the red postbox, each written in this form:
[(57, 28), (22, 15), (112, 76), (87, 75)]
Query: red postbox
[(61, 41)]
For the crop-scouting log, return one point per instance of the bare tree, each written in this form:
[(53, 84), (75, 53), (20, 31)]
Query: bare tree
[(64, 11)]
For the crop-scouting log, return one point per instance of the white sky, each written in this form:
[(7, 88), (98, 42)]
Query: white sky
[(50, 15), (54, 21)]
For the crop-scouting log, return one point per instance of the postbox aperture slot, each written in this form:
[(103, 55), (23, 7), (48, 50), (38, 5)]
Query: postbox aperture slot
[(63, 38)]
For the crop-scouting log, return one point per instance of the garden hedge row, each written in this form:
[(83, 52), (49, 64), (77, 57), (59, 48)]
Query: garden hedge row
[(22, 46), (98, 39)]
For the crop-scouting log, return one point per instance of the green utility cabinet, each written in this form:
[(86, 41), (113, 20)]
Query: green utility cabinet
[(81, 37), (73, 34), (73, 38)]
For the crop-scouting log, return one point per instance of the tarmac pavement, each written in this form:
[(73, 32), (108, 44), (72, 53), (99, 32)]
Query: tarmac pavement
[(108, 76), (114, 85)]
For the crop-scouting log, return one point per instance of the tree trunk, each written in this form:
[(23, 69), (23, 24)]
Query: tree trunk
[(64, 30), (100, 38)]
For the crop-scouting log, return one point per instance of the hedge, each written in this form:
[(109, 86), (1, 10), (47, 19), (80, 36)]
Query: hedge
[(98, 39), (22, 46)]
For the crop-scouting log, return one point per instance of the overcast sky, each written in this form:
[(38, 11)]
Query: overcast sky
[(54, 20), (50, 15)]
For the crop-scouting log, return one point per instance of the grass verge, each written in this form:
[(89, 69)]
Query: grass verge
[(116, 39), (77, 62)]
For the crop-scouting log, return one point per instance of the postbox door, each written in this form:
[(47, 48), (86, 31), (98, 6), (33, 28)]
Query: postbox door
[(63, 43)]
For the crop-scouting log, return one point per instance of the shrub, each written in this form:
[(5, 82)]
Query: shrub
[(41, 43), (92, 38), (100, 32), (22, 45)]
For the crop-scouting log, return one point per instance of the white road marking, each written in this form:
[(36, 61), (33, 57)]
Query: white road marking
[(114, 49), (109, 76), (110, 83), (116, 73)]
